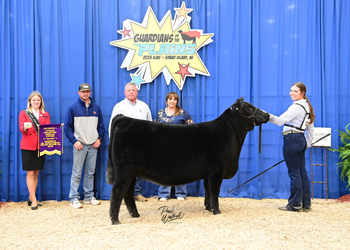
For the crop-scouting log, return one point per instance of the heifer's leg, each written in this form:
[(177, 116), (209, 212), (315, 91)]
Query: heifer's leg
[(130, 201), (115, 202), (214, 189), (120, 186), (207, 196)]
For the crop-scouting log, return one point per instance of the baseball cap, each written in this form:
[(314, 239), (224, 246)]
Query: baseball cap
[(84, 87)]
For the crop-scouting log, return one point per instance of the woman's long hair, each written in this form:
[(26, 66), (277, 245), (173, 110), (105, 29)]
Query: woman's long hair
[(176, 96), (302, 88), (42, 105)]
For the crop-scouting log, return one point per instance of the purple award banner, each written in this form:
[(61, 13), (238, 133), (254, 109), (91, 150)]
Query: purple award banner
[(50, 139)]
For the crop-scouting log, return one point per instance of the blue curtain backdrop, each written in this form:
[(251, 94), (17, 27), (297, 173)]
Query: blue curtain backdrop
[(260, 49)]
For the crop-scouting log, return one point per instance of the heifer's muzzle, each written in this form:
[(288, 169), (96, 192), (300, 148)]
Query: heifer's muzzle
[(252, 116)]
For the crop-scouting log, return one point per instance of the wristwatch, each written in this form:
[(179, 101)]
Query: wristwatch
[(100, 139)]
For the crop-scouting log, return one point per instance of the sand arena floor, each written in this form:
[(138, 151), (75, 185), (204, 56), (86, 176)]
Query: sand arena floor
[(243, 224)]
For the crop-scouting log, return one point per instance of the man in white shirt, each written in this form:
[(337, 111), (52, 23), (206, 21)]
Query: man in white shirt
[(134, 108)]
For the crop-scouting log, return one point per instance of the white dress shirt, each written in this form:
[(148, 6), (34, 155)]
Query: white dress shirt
[(138, 110)]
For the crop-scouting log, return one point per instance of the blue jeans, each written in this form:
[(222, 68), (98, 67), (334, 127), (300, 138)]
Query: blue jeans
[(165, 191), (87, 155), (138, 187), (294, 148)]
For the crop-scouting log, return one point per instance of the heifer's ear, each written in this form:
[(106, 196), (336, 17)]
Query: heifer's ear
[(239, 101), (239, 104)]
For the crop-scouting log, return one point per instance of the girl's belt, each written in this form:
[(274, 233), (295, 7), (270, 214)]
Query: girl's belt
[(291, 132)]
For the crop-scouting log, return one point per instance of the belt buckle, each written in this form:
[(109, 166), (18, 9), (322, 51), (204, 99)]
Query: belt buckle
[(287, 132)]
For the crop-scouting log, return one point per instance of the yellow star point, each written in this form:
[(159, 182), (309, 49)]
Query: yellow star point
[(183, 11)]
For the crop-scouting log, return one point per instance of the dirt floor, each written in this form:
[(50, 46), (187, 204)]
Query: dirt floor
[(243, 224)]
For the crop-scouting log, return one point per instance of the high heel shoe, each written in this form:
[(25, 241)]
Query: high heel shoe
[(34, 208), (30, 204)]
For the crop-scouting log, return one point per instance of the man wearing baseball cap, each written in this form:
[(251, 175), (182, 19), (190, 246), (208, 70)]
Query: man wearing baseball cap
[(85, 130)]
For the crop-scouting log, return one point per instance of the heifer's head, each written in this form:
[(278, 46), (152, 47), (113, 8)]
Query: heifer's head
[(246, 110)]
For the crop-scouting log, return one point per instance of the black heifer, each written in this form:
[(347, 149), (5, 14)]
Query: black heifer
[(171, 155), (185, 37)]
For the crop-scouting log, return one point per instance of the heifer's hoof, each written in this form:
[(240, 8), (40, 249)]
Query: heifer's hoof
[(209, 208), (215, 212), (135, 215), (115, 222)]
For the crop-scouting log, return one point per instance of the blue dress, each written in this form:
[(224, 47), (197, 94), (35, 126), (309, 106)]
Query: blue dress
[(182, 118)]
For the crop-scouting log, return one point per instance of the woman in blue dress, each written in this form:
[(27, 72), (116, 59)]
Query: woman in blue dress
[(175, 115)]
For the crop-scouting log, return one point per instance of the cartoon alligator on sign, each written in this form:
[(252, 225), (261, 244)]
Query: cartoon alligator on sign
[(189, 35)]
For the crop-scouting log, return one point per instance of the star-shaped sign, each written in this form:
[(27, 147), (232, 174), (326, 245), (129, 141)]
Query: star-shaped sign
[(125, 32), (137, 80), (183, 11), (167, 46), (183, 71)]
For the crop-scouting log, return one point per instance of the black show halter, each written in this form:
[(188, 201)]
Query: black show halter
[(251, 117), (272, 166)]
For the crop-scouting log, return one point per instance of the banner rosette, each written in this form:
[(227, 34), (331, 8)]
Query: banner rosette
[(50, 139)]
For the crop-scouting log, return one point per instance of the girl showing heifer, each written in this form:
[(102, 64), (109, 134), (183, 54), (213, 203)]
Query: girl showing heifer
[(299, 118), (175, 115)]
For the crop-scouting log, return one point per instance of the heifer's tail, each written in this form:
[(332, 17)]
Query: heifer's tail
[(109, 172), (110, 166)]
